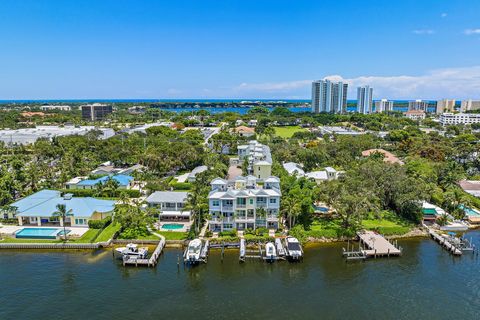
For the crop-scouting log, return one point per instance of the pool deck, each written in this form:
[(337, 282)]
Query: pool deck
[(74, 231)]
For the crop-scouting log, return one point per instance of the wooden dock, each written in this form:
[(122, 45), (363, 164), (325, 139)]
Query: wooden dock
[(150, 262), (377, 246), (444, 242)]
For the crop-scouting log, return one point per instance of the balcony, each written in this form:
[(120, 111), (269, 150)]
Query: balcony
[(262, 204), (227, 208), (243, 205)]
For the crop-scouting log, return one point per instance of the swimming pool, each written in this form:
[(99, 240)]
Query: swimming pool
[(321, 209), (469, 211), (172, 226), (39, 233)]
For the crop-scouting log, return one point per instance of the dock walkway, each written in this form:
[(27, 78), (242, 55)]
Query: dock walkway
[(150, 262), (377, 245)]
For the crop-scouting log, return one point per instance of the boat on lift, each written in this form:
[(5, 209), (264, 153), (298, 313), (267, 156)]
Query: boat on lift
[(193, 252), (131, 250), (294, 248), (270, 252)]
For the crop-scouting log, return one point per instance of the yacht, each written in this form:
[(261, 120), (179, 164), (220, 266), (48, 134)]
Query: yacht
[(270, 252), (131, 250), (456, 225), (294, 248), (192, 253)]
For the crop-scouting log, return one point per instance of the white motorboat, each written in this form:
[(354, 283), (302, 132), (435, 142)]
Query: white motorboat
[(279, 246), (294, 248), (131, 250), (456, 225), (270, 252), (193, 251)]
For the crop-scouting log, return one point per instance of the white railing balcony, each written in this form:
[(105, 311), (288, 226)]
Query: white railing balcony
[(262, 204), (241, 205), (228, 219), (227, 208)]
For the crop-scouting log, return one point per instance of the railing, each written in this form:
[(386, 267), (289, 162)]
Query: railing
[(227, 208), (262, 204), (241, 205)]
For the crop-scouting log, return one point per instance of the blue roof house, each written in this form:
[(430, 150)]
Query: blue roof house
[(124, 182), (39, 208)]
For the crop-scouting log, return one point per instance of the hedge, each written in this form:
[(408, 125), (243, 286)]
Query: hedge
[(132, 193), (181, 185), (99, 224)]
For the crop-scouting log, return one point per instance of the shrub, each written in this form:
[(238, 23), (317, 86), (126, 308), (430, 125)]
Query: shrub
[(99, 224), (181, 185)]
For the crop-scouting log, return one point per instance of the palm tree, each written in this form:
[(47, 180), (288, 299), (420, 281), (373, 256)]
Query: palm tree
[(62, 213)]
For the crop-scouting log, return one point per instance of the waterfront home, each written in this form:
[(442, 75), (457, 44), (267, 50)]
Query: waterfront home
[(387, 156), (252, 123), (242, 203), (294, 169), (324, 175), (431, 212), (123, 181), (171, 205), (39, 209), (415, 114), (258, 157), (471, 214)]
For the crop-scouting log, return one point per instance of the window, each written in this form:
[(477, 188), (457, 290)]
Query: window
[(81, 221), (251, 201), (273, 200), (215, 203), (241, 201)]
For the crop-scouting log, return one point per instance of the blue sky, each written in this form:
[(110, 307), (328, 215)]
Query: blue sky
[(71, 49)]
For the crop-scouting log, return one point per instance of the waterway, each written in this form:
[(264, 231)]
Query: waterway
[(425, 283)]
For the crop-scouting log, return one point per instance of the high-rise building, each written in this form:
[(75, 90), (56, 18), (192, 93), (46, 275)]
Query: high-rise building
[(328, 96), (445, 105), (364, 99), (96, 111), (383, 105), (418, 105), (469, 105)]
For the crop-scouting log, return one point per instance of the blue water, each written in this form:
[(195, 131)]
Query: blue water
[(39, 233), (426, 282)]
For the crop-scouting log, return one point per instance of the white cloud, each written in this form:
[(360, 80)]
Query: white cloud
[(443, 15), (423, 31), (458, 83), (469, 32)]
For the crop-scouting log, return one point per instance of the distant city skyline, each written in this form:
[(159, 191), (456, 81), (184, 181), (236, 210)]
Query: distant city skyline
[(116, 49)]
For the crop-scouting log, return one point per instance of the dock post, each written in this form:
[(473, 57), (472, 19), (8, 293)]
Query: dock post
[(375, 253), (388, 253)]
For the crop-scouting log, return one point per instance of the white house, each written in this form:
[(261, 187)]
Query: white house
[(244, 204)]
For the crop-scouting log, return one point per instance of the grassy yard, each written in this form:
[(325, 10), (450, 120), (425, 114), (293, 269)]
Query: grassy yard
[(88, 237), (287, 132), (387, 227), (171, 235), (324, 228), (108, 232)]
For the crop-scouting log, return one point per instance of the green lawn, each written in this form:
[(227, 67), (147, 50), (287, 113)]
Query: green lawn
[(324, 228), (108, 232), (171, 235), (287, 132), (88, 237), (386, 227)]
